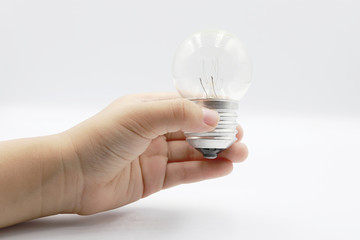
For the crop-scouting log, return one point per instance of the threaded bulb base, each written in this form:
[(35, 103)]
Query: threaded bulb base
[(223, 136)]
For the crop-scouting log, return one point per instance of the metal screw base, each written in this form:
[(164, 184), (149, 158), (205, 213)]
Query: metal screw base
[(210, 144)]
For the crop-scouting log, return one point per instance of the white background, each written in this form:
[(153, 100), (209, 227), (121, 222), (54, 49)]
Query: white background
[(62, 61)]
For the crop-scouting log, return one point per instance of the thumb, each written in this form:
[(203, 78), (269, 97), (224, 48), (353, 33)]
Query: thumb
[(152, 119)]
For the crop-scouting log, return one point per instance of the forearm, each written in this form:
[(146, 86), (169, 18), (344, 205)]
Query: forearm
[(38, 177)]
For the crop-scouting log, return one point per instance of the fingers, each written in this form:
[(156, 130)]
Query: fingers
[(240, 133), (182, 151), (151, 119), (237, 152), (141, 97), (175, 136), (194, 171)]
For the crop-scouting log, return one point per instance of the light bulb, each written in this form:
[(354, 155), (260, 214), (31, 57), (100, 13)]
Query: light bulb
[(212, 69)]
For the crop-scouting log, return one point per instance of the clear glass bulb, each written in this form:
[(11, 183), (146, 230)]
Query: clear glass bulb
[(212, 69), (212, 64)]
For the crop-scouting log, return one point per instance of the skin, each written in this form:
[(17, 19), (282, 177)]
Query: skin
[(133, 148)]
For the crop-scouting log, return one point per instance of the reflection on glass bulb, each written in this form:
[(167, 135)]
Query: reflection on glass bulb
[(212, 64), (213, 69)]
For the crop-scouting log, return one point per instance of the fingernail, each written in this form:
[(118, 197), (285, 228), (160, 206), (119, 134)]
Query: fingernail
[(210, 117)]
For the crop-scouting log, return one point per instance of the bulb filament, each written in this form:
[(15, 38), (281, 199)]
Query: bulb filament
[(202, 85), (210, 78), (212, 85)]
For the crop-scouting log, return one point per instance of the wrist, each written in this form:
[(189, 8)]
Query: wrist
[(40, 177), (72, 177), (61, 176)]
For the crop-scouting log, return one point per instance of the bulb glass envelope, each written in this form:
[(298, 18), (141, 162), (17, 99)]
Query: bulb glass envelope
[(212, 64)]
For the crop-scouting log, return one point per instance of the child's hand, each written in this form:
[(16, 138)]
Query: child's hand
[(136, 147)]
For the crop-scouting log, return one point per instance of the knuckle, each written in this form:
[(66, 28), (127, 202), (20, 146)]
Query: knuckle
[(179, 109)]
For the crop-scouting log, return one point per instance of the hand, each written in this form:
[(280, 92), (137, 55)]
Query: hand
[(136, 147)]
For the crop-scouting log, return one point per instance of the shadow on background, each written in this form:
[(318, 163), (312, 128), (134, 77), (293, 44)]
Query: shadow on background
[(124, 222)]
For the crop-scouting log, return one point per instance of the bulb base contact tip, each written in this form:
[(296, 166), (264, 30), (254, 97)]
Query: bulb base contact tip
[(210, 144), (210, 153)]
